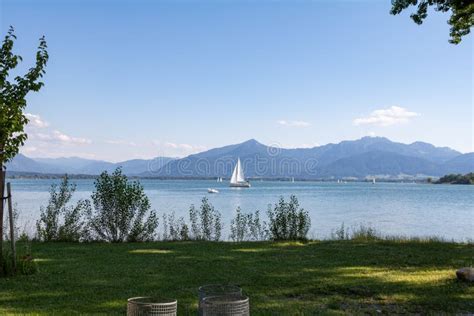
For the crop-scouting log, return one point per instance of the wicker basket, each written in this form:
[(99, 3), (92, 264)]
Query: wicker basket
[(212, 290), (149, 306), (228, 305)]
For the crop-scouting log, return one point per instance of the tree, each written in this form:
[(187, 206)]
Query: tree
[(288, 221), (120, 208), (61, 220), (461, 20), (13, 103)]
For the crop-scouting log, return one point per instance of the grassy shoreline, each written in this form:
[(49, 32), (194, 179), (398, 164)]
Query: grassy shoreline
[(286, 278)]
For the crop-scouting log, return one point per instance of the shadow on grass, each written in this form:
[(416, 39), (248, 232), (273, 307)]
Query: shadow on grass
[(280, 278)]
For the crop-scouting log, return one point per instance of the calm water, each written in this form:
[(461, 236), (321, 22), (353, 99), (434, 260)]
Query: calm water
[(393, 208)]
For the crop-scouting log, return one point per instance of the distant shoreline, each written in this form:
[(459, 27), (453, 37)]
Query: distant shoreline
[(39, 176)]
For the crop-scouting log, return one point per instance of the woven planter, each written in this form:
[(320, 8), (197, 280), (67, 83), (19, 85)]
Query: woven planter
[(149, 306), (213, 290), (228, 305)]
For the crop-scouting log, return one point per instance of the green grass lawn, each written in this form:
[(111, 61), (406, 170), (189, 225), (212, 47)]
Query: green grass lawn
[(280, 278)]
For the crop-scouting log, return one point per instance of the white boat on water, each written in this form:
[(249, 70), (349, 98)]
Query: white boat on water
[(212, 190), (219, 179), (238, 179)]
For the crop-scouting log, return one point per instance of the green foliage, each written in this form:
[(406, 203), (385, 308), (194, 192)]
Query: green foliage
[(288, 221), (247, 227), (457, 179), (365, 233), (175, 230), (341, 233), (206, 223), (61, 221), (27, 265), (120, 210), (461, 20), (13, 94)]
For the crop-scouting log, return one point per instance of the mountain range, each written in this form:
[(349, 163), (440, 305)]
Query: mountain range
[(365, 157), (76, 165)]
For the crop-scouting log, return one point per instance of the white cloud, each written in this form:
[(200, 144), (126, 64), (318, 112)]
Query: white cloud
[(121, 142), (293, 123), (186, 147), (386, 117), (29, 150), (57, 135), (308, 145), (171, 149), (36, 121)]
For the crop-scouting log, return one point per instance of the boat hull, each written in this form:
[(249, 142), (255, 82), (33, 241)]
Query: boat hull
[(240, 185)]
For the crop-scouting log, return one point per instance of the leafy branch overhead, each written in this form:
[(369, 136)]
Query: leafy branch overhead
[(461, 20), (13, 94)]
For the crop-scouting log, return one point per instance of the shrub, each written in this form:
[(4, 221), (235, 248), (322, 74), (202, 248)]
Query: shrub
[(288, 221), (175, 229), (365, 233), (341, 233), (120, 210), (60, 221), (246, 227), (25, 263), (238, 226), (206, 222)]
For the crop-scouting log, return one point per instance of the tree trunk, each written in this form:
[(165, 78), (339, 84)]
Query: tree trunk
[(2, 203), (12, 225)]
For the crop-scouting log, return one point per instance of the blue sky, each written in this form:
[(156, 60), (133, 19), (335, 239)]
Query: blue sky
[(129, 79)]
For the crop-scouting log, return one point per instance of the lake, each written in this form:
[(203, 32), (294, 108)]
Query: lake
[(392, 208)]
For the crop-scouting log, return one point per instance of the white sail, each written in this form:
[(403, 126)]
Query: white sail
[(238, 179), (233, 179), (238, 174)]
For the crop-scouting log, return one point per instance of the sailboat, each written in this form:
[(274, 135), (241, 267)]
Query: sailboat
[(238, 180)]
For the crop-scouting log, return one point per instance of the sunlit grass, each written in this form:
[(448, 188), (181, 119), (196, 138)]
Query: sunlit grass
[(153, 251), (252, 250), (285, 278)]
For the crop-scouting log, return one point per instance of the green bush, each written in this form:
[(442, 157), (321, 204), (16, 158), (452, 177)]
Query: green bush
[(121, 210), (247, 227), (60, 221), (288, 221), (27, 265), (206, 222), (175, 230), (363, 232), (341, 233)]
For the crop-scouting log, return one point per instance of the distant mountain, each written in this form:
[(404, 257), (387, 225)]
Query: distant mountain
[(76, 165), (461, 164), (25, 164), (380, 163), (332, 152), (368, 156)]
